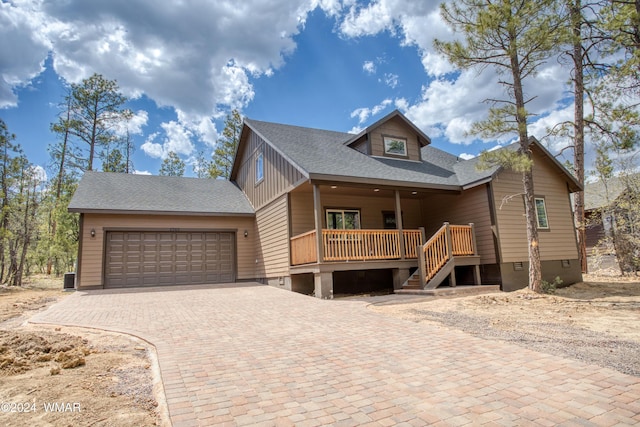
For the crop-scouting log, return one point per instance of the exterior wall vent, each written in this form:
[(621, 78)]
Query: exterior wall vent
[(518, 266)]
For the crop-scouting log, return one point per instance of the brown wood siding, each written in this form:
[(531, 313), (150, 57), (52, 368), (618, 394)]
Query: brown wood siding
[(371, 209), (559, 242), (279, 174), (301, 212), (273, 239), (362, 145), (470, 206), (395, 127), (91, 273)]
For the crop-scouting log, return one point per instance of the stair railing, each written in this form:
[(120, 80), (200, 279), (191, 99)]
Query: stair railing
[(447, 242)]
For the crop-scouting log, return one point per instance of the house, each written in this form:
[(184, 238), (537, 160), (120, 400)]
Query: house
[(611, 222), (325, 212), (600, 202)]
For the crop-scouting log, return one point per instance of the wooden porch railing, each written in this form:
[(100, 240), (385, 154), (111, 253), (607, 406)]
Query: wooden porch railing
[(354, 245), (436, 253), (303, 248), (412, 239), (447, 242), (461, 240)]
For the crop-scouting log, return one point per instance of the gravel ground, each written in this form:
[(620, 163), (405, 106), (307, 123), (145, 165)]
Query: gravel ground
[(596, 321), (552, 338)]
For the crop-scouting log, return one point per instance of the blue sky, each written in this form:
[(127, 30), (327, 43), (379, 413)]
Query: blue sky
[(331, 64)]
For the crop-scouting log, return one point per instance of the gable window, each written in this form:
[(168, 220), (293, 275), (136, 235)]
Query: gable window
[(541, 213), (259, 167), (395, 146), (343, 219)]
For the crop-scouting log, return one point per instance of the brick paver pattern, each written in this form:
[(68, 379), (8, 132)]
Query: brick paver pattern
[(256, 355)]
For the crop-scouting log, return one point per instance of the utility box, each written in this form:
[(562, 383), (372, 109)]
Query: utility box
[(69, 281)]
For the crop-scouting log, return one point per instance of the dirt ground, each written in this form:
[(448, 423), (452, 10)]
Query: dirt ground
[(596, 321), (52, 376)]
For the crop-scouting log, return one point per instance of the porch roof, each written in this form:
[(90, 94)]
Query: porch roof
[(323, 154)]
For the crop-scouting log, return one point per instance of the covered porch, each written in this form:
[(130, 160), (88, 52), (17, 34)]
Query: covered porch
[(318, 253)]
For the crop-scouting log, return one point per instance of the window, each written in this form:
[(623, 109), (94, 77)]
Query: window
[(343, 219), (395, 146), (541, 213), (259, 168)]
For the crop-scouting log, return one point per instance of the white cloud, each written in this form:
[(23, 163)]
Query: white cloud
[(134, 125), (364, 113), (151, 148), (23, 49), (193, 55), (391, 80), (406, 18), (40, 173), (466, 156), (142, 173), (369, 67)]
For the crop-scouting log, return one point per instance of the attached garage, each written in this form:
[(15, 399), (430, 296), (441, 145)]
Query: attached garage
[(159, 258), (144, 231)]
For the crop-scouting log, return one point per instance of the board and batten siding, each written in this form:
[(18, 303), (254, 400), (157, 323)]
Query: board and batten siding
[(557, 243), (395, 127), (472, 206), (272, 227), (279, 174), (91, 272), (371, 208)]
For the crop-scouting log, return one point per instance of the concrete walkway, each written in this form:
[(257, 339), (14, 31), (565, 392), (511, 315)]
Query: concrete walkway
[(251, 354)]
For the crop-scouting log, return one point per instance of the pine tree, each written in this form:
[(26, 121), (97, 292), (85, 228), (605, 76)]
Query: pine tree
[(172, 165), (514, 37), (96, 109), (226, 146)]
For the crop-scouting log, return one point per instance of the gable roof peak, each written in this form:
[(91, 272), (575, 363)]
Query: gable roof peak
[(423, 138)]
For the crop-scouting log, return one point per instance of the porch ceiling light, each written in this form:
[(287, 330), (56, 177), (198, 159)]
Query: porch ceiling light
[(334, 186), (414, 192), (376, 189)]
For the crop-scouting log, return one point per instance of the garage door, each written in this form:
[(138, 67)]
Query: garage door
[(152, 258)]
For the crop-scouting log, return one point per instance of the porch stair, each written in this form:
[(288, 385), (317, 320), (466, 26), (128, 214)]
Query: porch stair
[(445, 271), (449, 247)]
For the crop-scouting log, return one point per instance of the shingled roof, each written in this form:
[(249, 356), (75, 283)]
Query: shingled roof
[(323, 154), (600, 193), (104, 192)]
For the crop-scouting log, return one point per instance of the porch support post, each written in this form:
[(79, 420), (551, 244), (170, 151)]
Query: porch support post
[(422, 266), (477, 279), (323, 285), (317, 213), (473, 238), (452, 276), (400, 275), (399, 225), (423, 235), (447, 231)]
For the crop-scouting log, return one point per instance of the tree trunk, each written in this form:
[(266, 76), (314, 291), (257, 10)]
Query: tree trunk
[(54, 224), (535, 268), (578, 152)]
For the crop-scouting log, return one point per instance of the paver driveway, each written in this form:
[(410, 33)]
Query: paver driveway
[(250, 354)]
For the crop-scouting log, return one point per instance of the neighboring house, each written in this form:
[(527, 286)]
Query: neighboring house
[(317, 211), (601, 201)]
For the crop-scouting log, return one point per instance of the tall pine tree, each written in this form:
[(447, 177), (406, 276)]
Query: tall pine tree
[(514, 37)]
